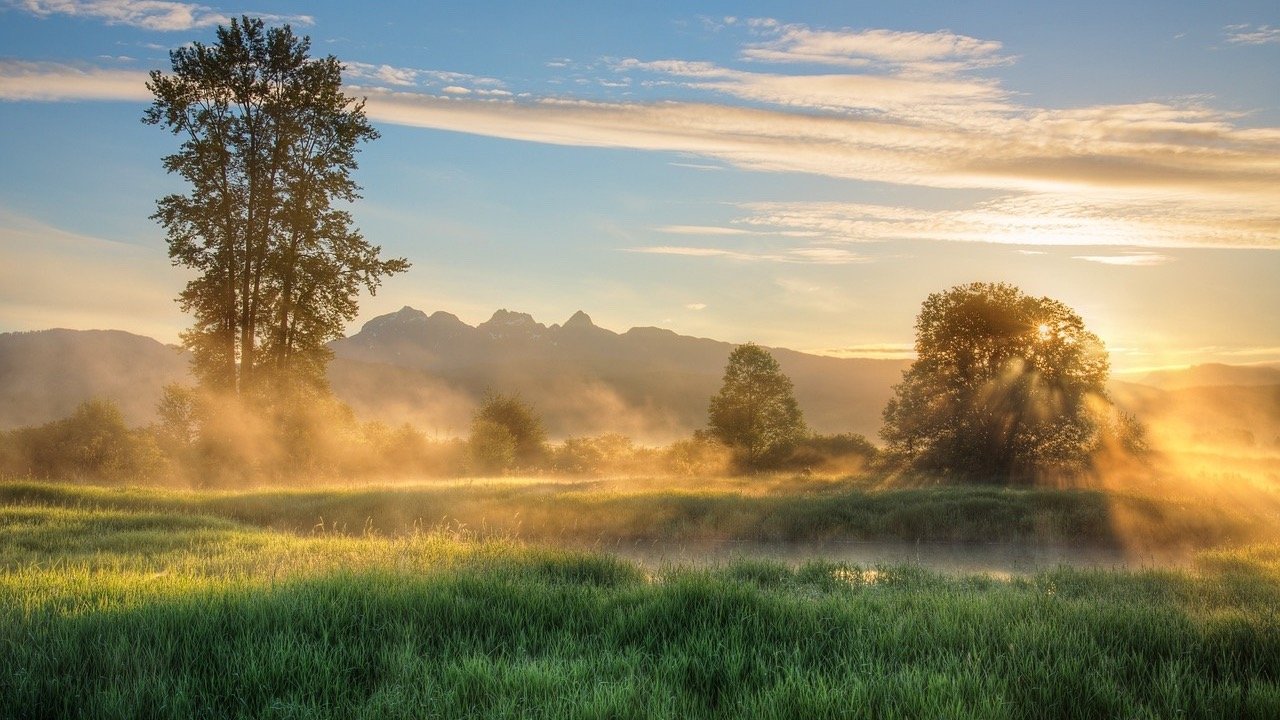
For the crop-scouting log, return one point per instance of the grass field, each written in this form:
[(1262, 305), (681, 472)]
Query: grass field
[(755, 509), (146, 603)]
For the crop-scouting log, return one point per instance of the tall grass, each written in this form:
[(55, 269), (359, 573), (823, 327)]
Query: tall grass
[(716, 509), (141, 612)]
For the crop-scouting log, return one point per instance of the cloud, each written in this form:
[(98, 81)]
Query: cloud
[(872, 351), (161, 15), (905, 96), (696, 306), (1131, 259), (387, 74), (44, 81), (702, 230), (1253, 35), (941, 51), (1147, 174), (696, 166), (369, 75), (1031, 218), (798, 256)]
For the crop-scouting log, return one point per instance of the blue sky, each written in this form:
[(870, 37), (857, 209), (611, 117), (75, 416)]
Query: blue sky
[(797, 174)]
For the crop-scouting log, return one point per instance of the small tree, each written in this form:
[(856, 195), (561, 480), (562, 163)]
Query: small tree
[(520, 421), (1006, 387), (755, 413)]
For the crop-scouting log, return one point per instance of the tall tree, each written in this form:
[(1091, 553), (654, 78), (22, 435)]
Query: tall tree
[(269, 143), (1005, 388), (755, 413)]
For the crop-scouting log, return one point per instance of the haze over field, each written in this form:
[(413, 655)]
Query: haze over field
[(800, 175)]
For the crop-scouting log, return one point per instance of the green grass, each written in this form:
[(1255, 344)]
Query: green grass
[(112, 605), (715, 509)]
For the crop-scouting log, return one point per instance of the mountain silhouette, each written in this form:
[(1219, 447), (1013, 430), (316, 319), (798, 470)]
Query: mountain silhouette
[(648, 382)]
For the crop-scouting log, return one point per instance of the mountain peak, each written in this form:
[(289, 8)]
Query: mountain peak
[(506, 323), (579, 319), (440, 317), (405, 317), (509, 318)]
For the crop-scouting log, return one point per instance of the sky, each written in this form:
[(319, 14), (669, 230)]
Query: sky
[(798, 174)]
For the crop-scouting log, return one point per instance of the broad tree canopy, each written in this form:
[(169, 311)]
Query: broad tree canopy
[(268, 146), (1006, 387)]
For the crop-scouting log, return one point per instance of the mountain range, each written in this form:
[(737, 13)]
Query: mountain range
[(649, 383), (646, 382)]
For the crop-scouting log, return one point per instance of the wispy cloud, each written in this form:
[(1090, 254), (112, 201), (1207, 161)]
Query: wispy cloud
[(1131, 259), (1151, 174), (1029, 218), (373, 76), (798, 256), (1253, 34), (45, 81), (703, 230), (162, 15), (940, 51), (905, 96), (696, 166), (872, 351), (696, 306)]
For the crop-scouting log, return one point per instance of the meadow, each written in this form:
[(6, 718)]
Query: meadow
[(161, 603)]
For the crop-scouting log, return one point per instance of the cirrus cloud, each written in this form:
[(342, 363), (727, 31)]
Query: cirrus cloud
[(161, 15)]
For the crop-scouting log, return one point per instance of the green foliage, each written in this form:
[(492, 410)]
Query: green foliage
[(841, 452), (698, 456), (491, 448), (520, 421), (609, 454), (755, 413), (1005, 388), (268, 147), (93, 443), (177, 616)]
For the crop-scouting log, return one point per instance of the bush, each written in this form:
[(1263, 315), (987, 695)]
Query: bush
[(491, 449), (839, 453), (609, 454), (699, 455), (93, 443)]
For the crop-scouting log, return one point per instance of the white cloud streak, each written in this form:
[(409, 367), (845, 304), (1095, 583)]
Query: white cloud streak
[(1134, 259), (796, 256), (160, 15), (941, 51), (1253, 35), (48, 82)]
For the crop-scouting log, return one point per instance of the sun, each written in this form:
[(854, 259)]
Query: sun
[(1044, 332)]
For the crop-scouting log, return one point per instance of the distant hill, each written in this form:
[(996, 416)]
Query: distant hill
[(45, 374), (647, 382), (1211, 375)]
